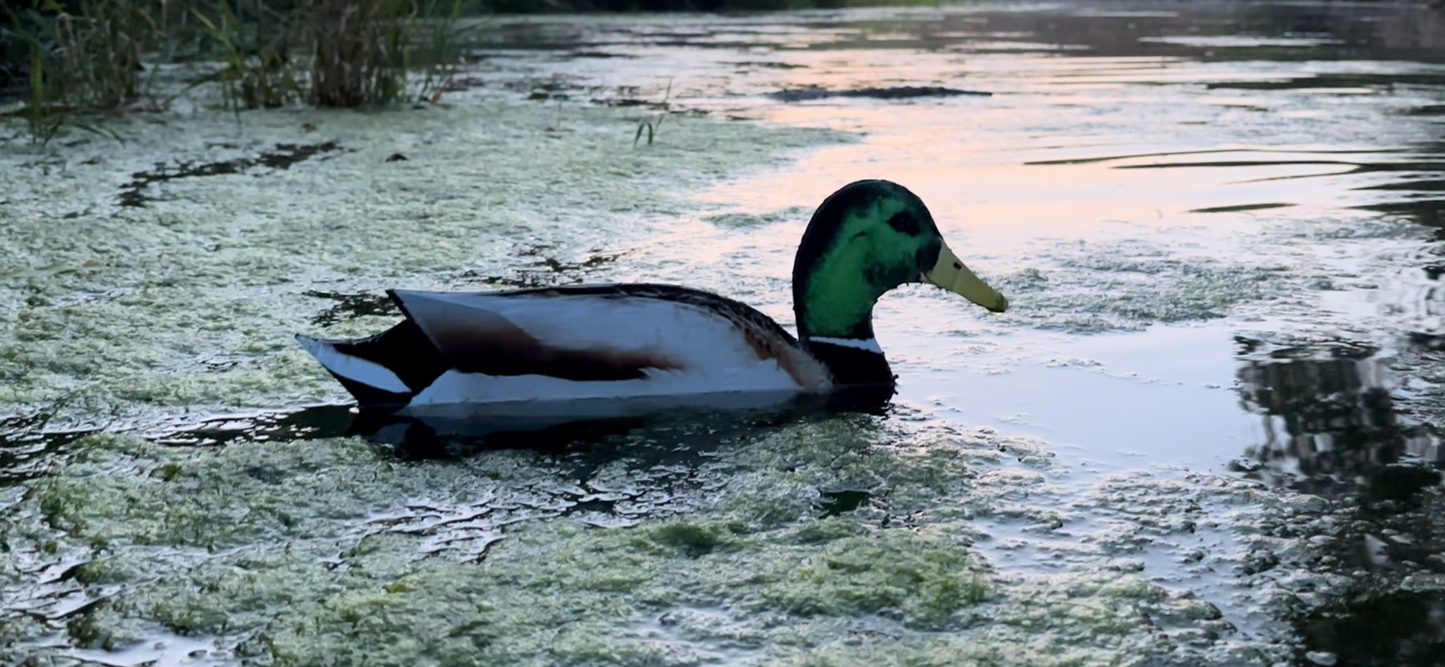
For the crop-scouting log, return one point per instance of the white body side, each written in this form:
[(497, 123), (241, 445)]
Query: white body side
[(708, 353)]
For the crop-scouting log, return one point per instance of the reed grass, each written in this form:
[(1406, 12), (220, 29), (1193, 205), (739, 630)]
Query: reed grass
[(83, 58), (654, 127), (331, 53)]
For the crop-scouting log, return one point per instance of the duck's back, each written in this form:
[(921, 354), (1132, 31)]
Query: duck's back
[(579, 343)]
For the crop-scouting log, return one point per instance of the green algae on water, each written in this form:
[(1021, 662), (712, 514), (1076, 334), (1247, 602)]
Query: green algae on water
[(188, 303), (327, 551)]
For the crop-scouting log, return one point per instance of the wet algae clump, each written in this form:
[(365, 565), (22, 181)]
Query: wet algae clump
[(892, 540), (305, 549), (333, 552)]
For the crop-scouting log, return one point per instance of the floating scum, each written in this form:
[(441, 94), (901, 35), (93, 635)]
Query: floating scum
[(188, 303), (328, 552), (700, 544), (321, 552)]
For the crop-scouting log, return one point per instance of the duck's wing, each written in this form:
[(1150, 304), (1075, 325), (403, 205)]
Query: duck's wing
[(567, 343)]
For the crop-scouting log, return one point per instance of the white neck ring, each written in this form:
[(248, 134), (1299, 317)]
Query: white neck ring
[(868, 344)]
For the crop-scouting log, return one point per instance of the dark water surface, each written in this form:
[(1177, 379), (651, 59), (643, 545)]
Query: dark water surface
[(1219, 226)]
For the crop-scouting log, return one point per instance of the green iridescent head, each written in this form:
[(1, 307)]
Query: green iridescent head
[(865, 239)]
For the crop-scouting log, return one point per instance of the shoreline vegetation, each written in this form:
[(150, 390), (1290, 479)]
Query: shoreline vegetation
[(72, 62), (65, 62)]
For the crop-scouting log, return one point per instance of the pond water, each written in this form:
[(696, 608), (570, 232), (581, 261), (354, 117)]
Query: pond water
[(1204, 432)]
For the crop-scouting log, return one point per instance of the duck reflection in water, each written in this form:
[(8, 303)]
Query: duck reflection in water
[(557, 428)]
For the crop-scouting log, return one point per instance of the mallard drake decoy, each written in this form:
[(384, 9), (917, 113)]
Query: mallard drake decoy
[(662, 343)]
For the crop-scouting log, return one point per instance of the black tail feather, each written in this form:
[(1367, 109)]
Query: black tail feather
[(402, 349), (405, 351)]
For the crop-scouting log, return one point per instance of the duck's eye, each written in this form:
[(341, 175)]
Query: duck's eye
[(904, 222), (957, 265)]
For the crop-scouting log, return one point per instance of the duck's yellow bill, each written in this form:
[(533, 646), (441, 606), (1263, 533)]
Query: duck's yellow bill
[(950, 274)]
